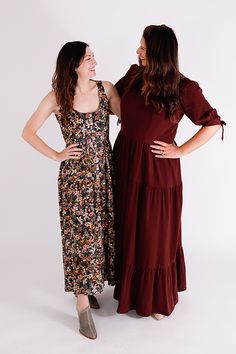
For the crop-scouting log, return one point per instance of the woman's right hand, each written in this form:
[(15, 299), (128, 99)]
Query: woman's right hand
[(71, 152)]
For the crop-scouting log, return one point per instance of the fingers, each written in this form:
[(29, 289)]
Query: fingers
[(70, 152), (171, 151), (162, 143), (73, 152), (74, 149), (162, 156), (72, 145), (157, 148), (160, 149), (159, 154), (72, 157)]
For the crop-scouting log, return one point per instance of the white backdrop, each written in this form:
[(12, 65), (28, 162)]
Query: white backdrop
[(37, 316)]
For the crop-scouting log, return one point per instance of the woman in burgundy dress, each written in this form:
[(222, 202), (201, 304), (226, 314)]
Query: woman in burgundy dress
[(154, 97)]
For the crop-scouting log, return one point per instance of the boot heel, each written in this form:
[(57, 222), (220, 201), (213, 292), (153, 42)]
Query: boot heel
[(93, 302)]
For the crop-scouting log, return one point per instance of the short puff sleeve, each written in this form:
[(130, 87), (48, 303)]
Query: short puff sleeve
[(122, 84)]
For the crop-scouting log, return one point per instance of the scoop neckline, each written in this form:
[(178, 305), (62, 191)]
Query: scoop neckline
[(99, 102)]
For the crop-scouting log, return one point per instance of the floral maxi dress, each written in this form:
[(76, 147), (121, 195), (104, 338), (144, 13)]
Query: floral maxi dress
[(86, 201)]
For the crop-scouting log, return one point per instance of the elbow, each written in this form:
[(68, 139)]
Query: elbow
[(24, 134)]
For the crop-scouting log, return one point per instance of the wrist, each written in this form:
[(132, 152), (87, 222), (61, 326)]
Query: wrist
[(55, 156), (181, 151)]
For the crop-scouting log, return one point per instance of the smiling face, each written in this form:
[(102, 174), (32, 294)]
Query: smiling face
[(141, 51), (87, 65)]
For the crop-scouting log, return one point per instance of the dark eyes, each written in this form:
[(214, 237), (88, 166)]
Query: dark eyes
[(89, 58)]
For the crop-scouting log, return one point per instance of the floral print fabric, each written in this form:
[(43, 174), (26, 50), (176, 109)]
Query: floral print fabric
[(86, 201)]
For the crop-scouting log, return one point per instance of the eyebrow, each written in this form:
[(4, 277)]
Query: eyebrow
[(89, 55)]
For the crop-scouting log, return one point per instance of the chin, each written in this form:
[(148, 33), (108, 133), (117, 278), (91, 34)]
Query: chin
[(141, 63), (92, 74)]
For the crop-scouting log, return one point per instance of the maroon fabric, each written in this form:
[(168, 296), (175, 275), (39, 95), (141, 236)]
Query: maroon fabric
[(150, 262)]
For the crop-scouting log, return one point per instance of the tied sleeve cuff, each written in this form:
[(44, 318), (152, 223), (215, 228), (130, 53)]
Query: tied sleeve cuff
[(216, 121), (222, 123), (196, 107)]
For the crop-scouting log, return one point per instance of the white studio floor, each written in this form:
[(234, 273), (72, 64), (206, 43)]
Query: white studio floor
[(38, 317)]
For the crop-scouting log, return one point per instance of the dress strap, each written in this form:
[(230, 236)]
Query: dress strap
[(104, 102), (101, 90)]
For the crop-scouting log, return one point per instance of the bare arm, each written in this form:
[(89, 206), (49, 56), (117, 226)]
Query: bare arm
[(46, 107), (113, 97), (164, 150)]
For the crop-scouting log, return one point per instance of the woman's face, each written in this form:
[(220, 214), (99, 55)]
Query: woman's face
[(141, 51), (87, 65)]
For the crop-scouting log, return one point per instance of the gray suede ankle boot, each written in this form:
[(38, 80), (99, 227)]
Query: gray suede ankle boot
[(87, 326)]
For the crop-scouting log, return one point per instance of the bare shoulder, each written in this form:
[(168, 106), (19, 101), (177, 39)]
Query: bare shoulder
[(107, 85), (50, 101), (109, 88), (50, 98)]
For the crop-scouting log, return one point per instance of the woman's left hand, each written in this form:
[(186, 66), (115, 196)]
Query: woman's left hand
[(165, 151)]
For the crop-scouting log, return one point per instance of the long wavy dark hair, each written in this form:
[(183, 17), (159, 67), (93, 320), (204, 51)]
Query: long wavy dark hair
[(65, 77), (159, 79)]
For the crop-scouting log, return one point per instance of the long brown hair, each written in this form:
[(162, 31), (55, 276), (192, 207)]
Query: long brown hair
[(160, 77), (65, 77)]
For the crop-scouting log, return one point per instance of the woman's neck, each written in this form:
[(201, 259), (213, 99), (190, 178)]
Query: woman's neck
[(83, 86)]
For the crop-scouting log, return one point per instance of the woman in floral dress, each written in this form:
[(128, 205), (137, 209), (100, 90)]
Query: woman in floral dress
[(85, 182)]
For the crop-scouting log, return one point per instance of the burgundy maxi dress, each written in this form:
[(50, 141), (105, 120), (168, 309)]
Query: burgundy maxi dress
[(150, 264)]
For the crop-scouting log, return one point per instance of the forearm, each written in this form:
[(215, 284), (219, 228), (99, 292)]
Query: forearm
[(199, 139), (37, 143), (115, 108), (114, 99)]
